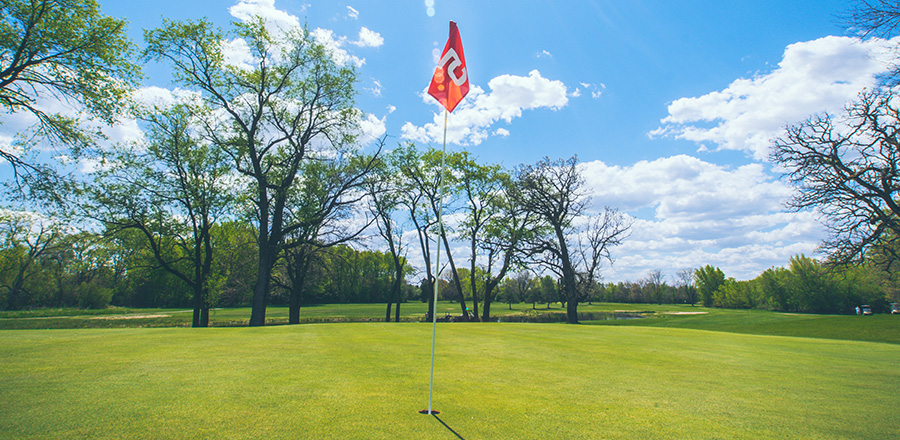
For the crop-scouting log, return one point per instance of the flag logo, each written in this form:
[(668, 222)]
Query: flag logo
[(450, 82)]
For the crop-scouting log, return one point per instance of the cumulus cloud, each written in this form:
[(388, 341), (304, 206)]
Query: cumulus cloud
[(279, 23), (335, 46), (814, 76), (371, 129), (471, 122), (368, 38), (690, 213), (276, 19)]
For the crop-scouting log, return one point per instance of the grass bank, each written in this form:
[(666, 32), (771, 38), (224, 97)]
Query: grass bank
[(492, 381)]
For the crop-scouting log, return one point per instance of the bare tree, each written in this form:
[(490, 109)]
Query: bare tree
[(877, 19), (655, 284), (849, 170), (874, 18), (685, 281), (595, 244), (554, 191)]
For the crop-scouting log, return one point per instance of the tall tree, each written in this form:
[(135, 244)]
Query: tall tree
[(318, 214), (504, 239), (421, 173), (172, 189), (554, 191), (288, 100), (384, 198), (67, 50), (481, 187), (708, 279), (849, 170)]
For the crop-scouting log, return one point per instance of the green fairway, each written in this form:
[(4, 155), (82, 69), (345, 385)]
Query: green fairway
[(492, 381), (875, 328)]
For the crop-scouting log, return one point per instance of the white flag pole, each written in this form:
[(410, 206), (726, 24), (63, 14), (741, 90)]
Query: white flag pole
[(437, 270)]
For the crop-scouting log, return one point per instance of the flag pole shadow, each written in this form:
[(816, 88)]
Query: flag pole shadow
[(434, 414)]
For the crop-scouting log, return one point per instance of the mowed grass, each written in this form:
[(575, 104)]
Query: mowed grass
[(874, 328), (496, 381)]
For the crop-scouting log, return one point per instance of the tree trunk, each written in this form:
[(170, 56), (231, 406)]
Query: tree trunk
[(462, 297), (572, 312), (198, 305), (432, 307), (204, 317), (261, 289)]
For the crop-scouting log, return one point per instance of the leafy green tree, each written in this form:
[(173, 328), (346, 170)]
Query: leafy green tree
[(65, 49), (172, 189), (504, 239), (708, 280), (384, 190), (429, 193), (26, 239), (772, 282), (234, 262), (290, 103), (319, 209), (481, 188), (549, 291)]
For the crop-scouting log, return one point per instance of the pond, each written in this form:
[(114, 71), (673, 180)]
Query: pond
[(561, 317)]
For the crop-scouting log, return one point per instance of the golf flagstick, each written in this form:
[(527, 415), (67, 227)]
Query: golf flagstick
[(437, 270), (449, 85)]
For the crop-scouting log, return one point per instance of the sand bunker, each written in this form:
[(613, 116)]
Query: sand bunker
[(130, 316)]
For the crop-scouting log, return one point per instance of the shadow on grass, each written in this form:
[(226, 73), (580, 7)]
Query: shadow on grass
[(448, 427), (434, 414)]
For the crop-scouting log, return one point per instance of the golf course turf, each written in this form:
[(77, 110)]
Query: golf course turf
[(492, 381)]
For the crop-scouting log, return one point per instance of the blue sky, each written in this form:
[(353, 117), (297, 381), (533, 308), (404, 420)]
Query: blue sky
[(670, 106)]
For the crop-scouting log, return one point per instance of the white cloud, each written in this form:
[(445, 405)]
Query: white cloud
[(376, 88), (691, 213), (471, 122), (371, 129), (334, 45), (369, 38), (276, 20), (352, 13), (279, 23), (813, 76)]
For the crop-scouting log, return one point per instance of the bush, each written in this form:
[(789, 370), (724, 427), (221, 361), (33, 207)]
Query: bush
[(92, 295)]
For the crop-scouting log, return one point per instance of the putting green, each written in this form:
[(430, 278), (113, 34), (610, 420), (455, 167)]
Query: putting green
[(492, 381)]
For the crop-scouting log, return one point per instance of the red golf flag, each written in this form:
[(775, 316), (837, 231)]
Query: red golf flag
[(450, 82)]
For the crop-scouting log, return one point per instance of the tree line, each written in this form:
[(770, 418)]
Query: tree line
[(256, 181)]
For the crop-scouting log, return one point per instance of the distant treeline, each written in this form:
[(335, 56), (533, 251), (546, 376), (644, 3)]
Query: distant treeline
[(50, 268), (45, 267)]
